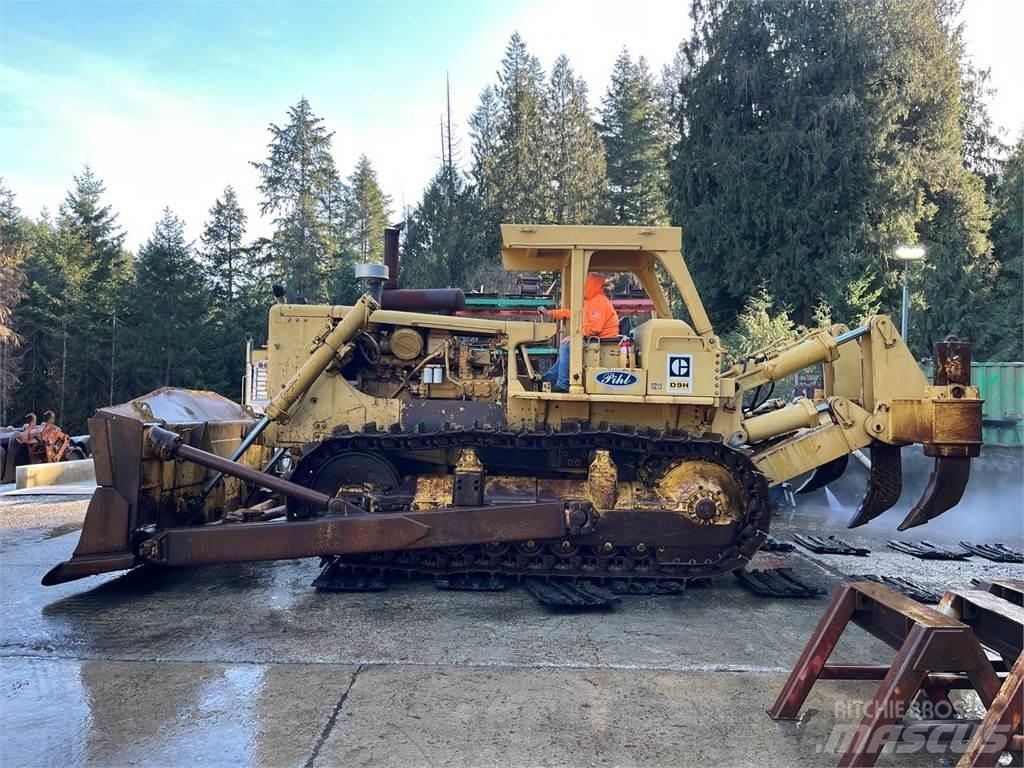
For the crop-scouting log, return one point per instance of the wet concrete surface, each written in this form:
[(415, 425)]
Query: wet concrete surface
[(248, 665)]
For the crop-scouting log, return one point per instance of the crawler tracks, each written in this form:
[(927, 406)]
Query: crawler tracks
[(644, 549)]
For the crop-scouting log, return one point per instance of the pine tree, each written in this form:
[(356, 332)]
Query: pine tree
[(959, 273), (78, 275), (1008, 247), (575, 154), (817, 136), (521, 173), (13, 251), (171, 344), (633, 120), (297, 178), (334, 206), (443, 237), (240, 289), (983, 144), (483, 132), (37, 322), (368, 209), (672, 76), (223, 245)]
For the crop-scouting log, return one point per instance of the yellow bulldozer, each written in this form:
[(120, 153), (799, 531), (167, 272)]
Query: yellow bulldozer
[(404, 435)]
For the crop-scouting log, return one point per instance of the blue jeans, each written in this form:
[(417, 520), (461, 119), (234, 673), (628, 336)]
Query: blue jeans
[(558, 374)]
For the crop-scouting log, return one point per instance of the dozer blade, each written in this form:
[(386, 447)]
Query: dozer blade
[(131, 495), (825, 474), (946, 486), (885, 483)]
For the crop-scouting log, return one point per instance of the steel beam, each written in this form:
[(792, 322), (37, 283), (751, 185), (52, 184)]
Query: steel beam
[(357, 533)]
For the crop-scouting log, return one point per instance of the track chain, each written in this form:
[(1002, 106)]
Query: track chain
[(548, 558)]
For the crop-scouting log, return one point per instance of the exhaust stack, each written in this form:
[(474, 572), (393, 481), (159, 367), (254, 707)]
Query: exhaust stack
[(391, 256)]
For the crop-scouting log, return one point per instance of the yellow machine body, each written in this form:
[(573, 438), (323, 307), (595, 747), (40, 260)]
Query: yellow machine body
[(655, 450)]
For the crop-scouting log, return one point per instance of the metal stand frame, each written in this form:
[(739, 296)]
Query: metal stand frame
[(937, 650)]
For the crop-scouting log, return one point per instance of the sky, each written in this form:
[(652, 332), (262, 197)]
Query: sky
[(169, 102)]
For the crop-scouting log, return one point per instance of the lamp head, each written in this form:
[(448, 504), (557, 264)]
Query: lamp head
[(909, 252)]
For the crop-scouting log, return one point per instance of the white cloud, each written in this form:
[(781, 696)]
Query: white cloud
[(151, 148)]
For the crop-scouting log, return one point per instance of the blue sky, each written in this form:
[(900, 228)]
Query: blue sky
[(170, 101)]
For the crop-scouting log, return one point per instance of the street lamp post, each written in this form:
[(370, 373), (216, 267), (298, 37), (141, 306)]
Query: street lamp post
[(907, 254)]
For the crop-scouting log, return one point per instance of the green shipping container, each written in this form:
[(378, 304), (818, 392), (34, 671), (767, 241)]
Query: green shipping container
[(1002, 389)]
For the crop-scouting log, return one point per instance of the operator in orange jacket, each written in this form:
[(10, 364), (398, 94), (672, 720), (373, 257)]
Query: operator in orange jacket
[(599, 319)]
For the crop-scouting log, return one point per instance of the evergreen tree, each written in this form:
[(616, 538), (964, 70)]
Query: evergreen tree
[(37, 323), (983, 145), (297, 178), (672, 77), (223, 245), (13, 251), (1008, 247), (773, 173), (93, 225), (958, 275), (443, 243), (368, 209), (443, 237), (239, 287), (77, 272), (334, 204), (633, 120), (170, 344), (575, 154), (483, 132), (521, 173), (816, 136)]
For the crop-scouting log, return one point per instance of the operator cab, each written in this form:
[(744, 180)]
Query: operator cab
[(671, 360)]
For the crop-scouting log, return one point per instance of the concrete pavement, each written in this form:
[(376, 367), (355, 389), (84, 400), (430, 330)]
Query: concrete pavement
[(248, 665)]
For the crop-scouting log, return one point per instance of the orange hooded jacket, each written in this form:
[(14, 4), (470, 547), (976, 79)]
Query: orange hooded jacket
[(599, 316)]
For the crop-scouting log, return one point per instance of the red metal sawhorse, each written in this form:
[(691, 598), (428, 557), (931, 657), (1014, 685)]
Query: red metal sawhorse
[(999, 625), (931, 645)]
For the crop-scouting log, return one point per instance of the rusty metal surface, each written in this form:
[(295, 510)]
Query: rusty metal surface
[(885, 484), (997, 553), (113, 514), (930, 644), (391, 257), (468, 480), (1002, 723), (435, 414), (180, 406), (80, 566), (356, 533), (998, 623), (1008, 589), (945, 488), (170, 445), (952, 363), (424, 300)]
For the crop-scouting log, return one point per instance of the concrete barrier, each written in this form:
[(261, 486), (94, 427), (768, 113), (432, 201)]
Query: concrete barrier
[(58, 473)]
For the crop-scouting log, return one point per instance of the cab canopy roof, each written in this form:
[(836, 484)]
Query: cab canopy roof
[(548, 247), (574, 251)]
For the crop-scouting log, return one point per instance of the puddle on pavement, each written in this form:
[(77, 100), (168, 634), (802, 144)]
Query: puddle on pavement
[(60, 530), (105, 713)]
